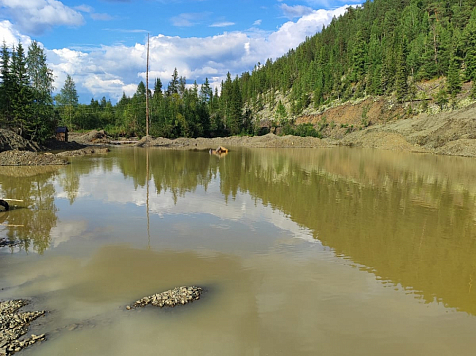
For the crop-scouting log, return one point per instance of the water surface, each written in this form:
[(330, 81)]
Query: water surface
[(301, 252)]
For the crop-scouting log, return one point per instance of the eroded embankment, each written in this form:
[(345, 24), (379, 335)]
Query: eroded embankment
[(447, 133)]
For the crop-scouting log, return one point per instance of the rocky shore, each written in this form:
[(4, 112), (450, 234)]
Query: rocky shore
[(14, 325)]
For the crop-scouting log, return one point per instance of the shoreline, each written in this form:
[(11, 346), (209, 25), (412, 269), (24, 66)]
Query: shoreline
[(450, 133)]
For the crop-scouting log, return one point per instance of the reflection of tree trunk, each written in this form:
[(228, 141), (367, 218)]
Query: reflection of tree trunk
[(147, 199)]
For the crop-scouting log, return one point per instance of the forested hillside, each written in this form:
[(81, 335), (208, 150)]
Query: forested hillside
[(381, 48)]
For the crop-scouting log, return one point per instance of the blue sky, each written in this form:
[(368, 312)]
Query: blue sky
[(102, 44)]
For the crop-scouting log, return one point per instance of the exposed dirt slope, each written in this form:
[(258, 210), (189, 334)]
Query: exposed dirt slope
[(448, 133), (9, 140)]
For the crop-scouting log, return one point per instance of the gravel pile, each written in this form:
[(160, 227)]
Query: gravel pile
[(26, 158), (14, 325), (170, 298), (9, 140)]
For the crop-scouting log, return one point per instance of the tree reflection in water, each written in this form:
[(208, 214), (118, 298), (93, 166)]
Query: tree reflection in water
[(29, 223)]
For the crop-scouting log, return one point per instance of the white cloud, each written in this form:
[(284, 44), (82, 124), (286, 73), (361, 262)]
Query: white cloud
[(257, 22), (84, 8), (11, 36), (189, 19), (37, 16), (111, 70), (292, 12), (222, 24), (327, 4)]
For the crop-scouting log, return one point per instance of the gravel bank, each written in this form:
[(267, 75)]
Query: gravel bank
[(14, 325), (170, 298), (27, 158)]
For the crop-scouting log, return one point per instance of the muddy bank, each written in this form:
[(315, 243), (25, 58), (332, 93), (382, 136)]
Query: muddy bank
[(84, 152), (447, 133), (367, 124), (16, 151)]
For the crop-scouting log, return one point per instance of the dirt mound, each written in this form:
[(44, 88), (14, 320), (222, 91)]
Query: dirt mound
[(9, 140), (55, 145), (26, 158), (92, 137)]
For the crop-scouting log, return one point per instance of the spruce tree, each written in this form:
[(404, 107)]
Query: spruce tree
[(22, 95), (401, 76), (454, 77), (68, 100), (6, 87), (469, 35)]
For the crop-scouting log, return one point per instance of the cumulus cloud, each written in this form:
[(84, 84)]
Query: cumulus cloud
[(11, 36), (111, 70), (37, 16)]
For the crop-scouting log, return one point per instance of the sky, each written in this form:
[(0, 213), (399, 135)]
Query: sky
[(102, 44)]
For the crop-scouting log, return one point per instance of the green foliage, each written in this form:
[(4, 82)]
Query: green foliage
[(442, 98), (281, 113), (302, 130), (25, 92)]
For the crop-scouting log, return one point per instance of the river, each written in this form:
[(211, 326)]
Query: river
[(300, 252)]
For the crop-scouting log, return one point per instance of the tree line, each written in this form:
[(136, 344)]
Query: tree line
[(178, 110), (26, 86), (383, 47)]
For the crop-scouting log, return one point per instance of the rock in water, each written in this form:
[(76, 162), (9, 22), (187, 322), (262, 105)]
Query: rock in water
[(170, 298)]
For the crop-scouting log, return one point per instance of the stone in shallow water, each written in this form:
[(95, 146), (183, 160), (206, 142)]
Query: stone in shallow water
[(170, 298)]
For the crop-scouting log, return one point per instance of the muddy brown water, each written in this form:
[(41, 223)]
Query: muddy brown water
[(301, 252)]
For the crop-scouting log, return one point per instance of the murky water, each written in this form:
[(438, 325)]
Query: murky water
[(301, 252)]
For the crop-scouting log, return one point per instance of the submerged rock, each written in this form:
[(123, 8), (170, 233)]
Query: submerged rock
[(14, 325), (170, 298)]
